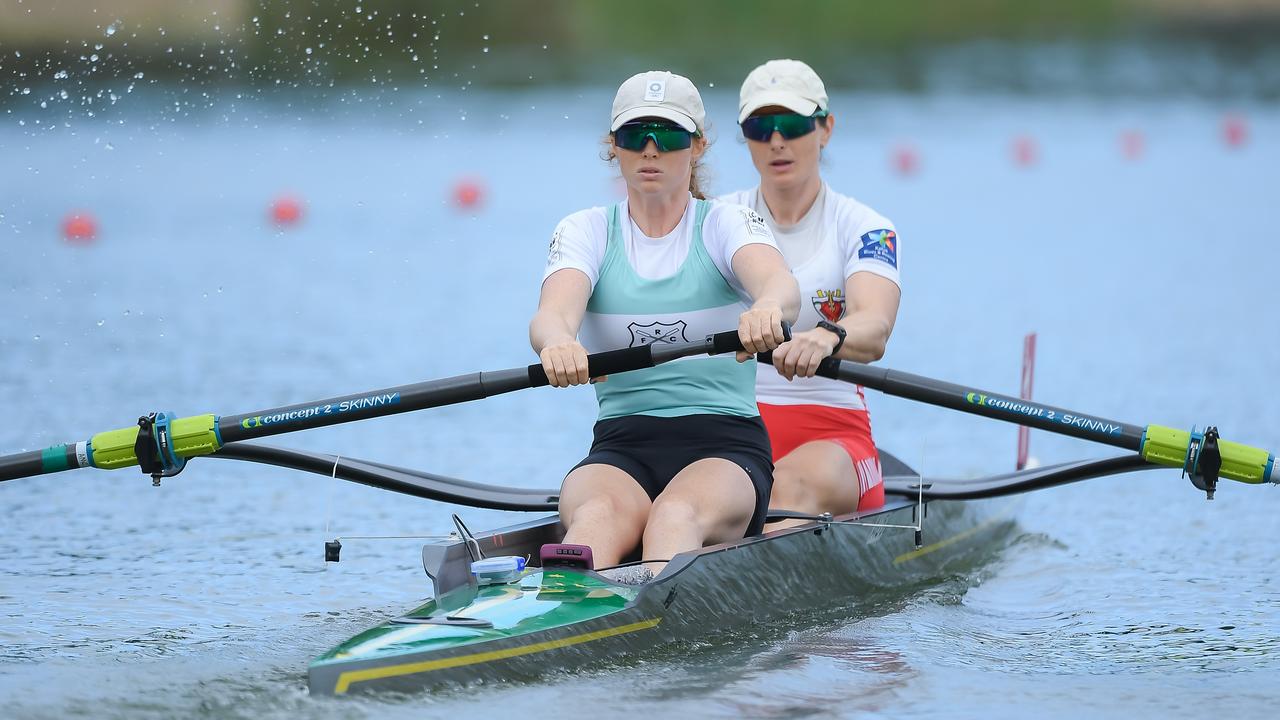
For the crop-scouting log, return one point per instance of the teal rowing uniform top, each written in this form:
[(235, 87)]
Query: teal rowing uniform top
[(627, 310)]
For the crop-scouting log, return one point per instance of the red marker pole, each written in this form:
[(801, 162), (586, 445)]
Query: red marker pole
[(1028, 375)]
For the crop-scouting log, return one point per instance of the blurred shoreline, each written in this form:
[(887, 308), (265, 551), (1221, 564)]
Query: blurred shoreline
[(1211, 48)]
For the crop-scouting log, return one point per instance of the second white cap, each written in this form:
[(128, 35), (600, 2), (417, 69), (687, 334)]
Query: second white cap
[(788, 83)]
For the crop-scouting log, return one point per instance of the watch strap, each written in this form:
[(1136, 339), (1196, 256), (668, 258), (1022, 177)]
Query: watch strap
[(839, 331)]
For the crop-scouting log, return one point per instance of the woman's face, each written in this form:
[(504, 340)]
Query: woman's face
[(649, 171), (784, 163)]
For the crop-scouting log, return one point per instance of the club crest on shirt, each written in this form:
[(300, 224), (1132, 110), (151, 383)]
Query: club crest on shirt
[(553, 251), (642, 335), (756, 224), (880, 245), (829, 304)]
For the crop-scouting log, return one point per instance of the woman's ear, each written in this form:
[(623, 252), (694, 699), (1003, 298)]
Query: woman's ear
[(699, 147)]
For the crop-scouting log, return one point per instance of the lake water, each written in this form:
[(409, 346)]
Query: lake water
[(1152, 283)]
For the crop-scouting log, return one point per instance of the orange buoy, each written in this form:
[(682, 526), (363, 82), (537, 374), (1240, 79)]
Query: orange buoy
[(286, 210), (80, 228), (467, 194)]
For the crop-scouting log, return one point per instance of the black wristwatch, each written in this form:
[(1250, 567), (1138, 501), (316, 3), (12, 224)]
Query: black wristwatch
[(839, 331)]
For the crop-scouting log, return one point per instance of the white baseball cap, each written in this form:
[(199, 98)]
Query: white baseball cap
[(658, 93), (788, 83)]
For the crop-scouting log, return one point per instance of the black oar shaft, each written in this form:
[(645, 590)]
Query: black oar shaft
[(201, 435), (984, 403), (451, 391), (376, 403), (25, 464)]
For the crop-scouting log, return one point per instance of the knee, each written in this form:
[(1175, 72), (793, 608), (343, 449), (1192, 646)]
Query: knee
[(673, 512), (790, 490), (597, 509)]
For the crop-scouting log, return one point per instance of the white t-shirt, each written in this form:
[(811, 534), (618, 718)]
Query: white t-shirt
[(835, 239), (580, 240)]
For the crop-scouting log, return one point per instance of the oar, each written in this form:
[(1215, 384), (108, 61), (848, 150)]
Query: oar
[(1202, 455), (161, 444)]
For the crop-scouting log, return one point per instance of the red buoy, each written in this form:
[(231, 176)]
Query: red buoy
[(80, 228), (467, 194), (905, 159), (286, 210), (1235, 130), (1132, 144), (1025, 151)]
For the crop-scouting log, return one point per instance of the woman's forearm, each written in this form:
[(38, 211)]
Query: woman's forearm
[(549, 328), (867, 335), (781, 290)]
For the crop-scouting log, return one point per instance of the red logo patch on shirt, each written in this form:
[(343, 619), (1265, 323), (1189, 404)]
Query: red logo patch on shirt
[(829, 304)]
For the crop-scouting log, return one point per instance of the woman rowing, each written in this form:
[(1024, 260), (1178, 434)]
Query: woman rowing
[(845, 258), (680, 457)]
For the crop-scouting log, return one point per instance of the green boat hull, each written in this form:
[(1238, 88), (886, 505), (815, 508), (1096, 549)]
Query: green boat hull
[(561, 619)]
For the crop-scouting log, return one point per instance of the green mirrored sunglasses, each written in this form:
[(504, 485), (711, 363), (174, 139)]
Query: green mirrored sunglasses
[(790, 125), (666, 136)]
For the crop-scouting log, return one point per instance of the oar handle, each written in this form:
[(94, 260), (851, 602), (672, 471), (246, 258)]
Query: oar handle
[(610, 362)]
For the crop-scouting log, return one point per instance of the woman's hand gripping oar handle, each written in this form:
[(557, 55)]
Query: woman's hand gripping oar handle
[(610, 362)]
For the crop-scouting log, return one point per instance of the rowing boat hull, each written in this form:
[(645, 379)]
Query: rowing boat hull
[(561, 619)]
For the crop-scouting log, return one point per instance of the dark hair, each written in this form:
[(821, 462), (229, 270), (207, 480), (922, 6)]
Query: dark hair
[(696, 174)]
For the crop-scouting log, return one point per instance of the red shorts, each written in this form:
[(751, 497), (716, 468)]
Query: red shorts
[(791, 426)]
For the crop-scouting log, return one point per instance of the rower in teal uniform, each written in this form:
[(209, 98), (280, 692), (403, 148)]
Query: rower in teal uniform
[(680, 458)]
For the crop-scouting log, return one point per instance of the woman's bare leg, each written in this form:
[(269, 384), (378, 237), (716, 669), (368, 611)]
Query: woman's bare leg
[(604, 508)]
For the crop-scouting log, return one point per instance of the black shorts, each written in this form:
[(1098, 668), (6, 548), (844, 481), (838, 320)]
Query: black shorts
[(653, 449)]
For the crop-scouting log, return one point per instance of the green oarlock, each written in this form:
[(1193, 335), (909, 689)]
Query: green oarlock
[(1243, 462), (195, 435), (114, 448), (1168, 446), (189, 436), (1165, 446)]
